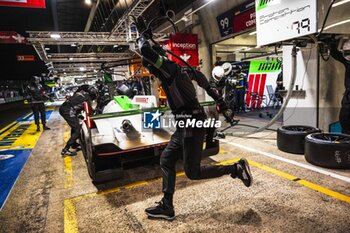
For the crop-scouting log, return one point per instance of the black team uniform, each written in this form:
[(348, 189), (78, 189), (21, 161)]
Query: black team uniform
[(37, 98), (70, 111), (185, 142), (344, 116)]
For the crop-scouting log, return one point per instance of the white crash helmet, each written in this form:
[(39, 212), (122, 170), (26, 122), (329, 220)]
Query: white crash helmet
[(218, 73), (227, 68)]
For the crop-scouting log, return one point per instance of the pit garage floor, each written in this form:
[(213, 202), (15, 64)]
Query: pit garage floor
[(55, 194)]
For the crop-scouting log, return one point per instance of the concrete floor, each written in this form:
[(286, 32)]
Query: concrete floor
[(56, 195)]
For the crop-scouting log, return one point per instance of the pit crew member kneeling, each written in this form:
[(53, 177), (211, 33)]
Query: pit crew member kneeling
[(70, 111), (187, 141)]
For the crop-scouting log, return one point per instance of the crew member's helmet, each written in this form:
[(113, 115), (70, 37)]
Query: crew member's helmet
[(35, 79), (218, 73), (93, 92), (227, 68), (237, 68)]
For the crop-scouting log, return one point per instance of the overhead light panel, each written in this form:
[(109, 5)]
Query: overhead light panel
[(337, 24), (88, 2), (340, 3), (47, 49), (55, 36), (70, 59), (82, 69)]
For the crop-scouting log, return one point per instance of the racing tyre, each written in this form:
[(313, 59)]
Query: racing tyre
[(328, 150), (291, 138)]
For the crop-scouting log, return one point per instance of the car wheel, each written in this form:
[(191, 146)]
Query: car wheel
[(291, 138), (328, 150)]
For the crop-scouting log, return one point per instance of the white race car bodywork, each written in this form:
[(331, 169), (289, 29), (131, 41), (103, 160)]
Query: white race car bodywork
[(109, 130)]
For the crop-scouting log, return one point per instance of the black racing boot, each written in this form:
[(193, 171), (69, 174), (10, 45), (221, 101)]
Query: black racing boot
[(46, 128), (37, 128), (68, 152), (76, 146), (162, 210), (242, 171)]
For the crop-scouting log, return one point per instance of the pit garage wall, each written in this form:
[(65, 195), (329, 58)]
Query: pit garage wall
[(332, 88), (301, 110)]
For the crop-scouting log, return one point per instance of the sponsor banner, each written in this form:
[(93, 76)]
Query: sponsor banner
[(239, 18), (24, 3), (280, 20), (244, 21), (186, 47), (25, 58), (11, 37)]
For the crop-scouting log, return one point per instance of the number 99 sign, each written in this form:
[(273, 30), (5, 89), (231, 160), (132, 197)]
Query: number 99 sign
[(224, 23)]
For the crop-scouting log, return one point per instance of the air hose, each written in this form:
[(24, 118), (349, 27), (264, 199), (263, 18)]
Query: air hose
[(289, 92)]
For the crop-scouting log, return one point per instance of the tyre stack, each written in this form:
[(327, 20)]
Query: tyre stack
[(327, 150)]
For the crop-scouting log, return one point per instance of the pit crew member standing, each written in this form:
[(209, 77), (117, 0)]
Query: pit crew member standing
[(70, 111), (185, 142), (37, 98), (241, 89)]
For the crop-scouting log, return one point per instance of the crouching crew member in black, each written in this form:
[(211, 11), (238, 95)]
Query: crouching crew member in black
[(185, 142), (70, 111), (37, 97)]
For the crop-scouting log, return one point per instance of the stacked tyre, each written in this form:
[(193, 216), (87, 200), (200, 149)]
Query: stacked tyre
[(328, 150), (291, 138)]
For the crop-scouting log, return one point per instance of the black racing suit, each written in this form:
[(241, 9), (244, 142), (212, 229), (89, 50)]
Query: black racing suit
[(70, 110), (344, 116), (37, 97), (185, 142)]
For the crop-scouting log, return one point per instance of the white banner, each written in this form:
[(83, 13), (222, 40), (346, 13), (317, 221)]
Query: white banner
[(279, 20)]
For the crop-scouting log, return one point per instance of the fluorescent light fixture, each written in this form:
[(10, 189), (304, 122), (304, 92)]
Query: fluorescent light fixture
[(55, 36), (74, 45), (340, 3), (252, 33), (88, 2), (115, 46), (82, 69), (47, 49), (70, 59), (337, 24)]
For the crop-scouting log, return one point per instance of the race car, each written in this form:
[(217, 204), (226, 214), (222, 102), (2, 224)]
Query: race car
[(121, 135)]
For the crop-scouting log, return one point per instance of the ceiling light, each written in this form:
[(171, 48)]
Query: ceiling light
[(82, 69), (115, 46), (74, 45), (88, 2), (70, 59), (340, 3), (47, 49), (55, 36), (252, 33)]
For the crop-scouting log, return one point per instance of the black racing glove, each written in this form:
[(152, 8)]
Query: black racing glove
[(221, 105), (213, 93)]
